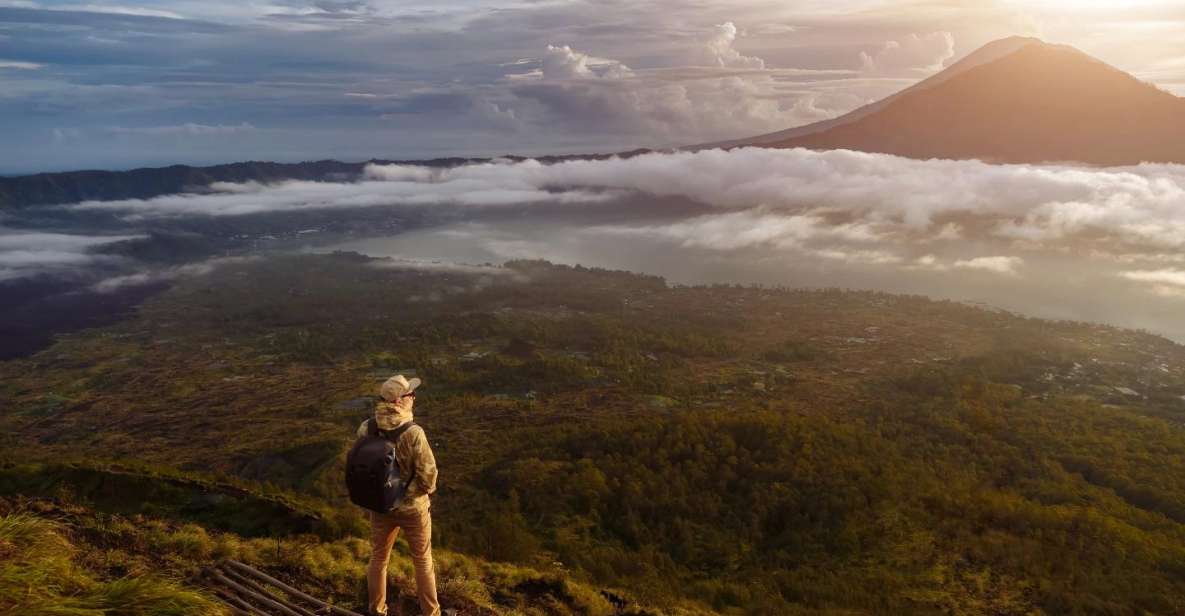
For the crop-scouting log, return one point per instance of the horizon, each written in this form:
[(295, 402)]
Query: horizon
[(746, 140), (115, 87)]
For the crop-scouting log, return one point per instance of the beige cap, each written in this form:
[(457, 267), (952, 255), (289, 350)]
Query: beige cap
[(397, 387)]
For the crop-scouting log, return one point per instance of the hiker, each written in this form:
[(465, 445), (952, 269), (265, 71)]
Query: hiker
[(402, 501)]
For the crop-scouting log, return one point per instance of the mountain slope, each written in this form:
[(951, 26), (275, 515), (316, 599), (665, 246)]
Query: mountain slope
[(988, 53), (1039, 103)]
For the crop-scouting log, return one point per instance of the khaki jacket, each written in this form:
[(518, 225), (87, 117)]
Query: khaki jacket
[(412, 451)]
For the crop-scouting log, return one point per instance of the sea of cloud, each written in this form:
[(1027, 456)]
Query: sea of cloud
[(951, 228), (770, 197)]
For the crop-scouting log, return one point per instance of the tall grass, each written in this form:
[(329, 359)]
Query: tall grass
[(38, 577)]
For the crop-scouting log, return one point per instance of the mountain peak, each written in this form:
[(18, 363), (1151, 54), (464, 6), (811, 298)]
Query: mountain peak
[(988, 53), (995, 50), (1014, 100), (1015, 41)]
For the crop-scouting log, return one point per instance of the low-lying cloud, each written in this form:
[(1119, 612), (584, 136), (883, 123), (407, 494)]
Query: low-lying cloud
[(936, 215), (1163, 282), (382, 186), (30, 253), (164, 275), (1029, 202), (998, 265)]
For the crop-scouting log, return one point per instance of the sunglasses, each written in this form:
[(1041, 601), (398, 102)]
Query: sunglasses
[(410, 394)]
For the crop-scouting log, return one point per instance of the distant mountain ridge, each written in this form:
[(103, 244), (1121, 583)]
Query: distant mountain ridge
[(1016, 100), (146, 183)]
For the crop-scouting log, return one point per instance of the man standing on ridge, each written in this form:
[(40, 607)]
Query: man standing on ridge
[(416, 465)]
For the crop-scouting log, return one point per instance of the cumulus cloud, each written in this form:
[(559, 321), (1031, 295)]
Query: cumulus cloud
[(723, 94), (567, 63), (653, 109), (926, 53), (719, 51)]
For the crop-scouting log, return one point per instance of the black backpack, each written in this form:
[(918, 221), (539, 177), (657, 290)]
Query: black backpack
[(372, 474)]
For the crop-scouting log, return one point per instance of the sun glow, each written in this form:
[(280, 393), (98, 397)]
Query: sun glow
[(1089, 5)]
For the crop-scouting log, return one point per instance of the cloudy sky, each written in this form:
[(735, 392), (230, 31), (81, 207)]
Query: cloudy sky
[(115, 84)]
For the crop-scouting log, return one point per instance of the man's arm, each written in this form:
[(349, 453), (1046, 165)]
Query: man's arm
[(425, 479)]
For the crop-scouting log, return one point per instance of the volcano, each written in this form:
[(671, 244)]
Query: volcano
[(1016, 100)]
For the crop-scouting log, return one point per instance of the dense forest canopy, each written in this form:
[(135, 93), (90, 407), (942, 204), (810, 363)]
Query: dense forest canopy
[(726, 448)]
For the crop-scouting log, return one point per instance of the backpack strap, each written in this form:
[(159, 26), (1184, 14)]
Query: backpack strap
[(372, 429), (393, 435)]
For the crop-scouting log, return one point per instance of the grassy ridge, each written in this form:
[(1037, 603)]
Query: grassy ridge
[(101, 563)]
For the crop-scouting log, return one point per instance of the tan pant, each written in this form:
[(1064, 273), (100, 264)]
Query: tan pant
[(417, 527)]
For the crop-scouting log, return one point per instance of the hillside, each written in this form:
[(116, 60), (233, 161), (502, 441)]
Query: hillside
[(1015, 101), (685, 449)]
